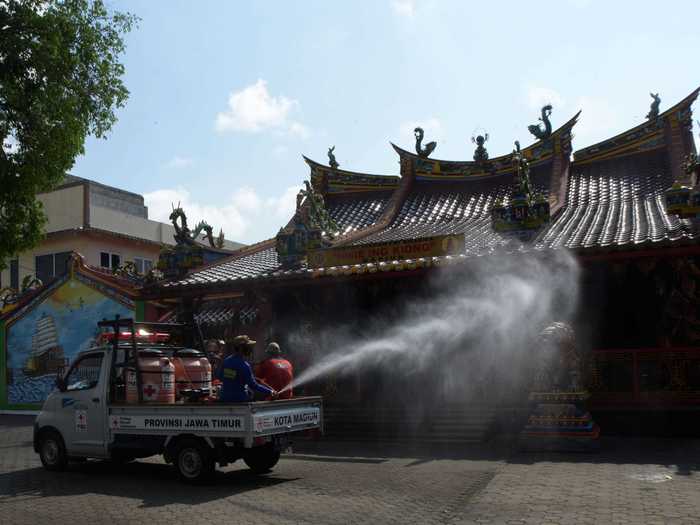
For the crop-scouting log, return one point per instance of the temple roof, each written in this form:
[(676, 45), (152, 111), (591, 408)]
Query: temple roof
[(618, 203), (359, 212), (435, 170), (610, 198), (645, 136), (334, 181), (351, 215), (463, 208)]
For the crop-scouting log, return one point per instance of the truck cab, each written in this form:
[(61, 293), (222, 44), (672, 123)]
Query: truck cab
[(76, 409)]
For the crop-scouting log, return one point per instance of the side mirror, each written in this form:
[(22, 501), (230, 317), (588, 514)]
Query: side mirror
[(61, 384)]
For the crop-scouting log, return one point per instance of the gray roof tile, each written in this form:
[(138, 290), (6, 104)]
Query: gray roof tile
[(619, 202)]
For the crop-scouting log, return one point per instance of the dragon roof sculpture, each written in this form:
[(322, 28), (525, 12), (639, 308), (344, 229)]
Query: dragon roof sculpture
[(183, 235)]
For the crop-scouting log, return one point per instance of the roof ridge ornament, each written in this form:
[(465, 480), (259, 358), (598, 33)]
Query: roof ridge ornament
[(311, 228), (539, 132), (10, 296), (654, 108), (481, 155), (185, 236), (331, 159), (189, 251), (522, 167), (527, 210), (423, 152)]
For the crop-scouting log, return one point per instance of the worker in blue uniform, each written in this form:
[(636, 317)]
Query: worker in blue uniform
[(236, 375)]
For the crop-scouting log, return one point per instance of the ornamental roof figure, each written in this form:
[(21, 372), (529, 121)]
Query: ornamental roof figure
[(185, 236), (429, 147), (311, 228), (480, 153), (539, 132), (654, 109), (331, 159), (522, 171)]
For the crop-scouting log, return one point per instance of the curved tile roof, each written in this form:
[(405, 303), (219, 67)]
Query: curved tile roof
[(613, 197), (350, 214), (430, 211), (614, 203), (617, 202), (255, 264), (357, 213)]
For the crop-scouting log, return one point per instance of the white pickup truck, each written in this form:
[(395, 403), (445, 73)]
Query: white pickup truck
[(83, 419)]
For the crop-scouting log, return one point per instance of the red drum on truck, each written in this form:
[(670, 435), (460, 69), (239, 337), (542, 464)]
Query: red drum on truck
[(157, 378)]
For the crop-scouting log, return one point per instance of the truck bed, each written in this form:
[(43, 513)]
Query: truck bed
[(234, 420)]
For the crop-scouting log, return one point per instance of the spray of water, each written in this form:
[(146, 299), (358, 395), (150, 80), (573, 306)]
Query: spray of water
[(482, 317)]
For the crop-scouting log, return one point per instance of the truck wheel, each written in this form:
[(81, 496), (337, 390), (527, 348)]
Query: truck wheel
[(194, 462), (52, 451), (261, 459)]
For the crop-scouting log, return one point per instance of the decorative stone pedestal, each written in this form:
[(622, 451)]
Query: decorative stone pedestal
[(559, 421)]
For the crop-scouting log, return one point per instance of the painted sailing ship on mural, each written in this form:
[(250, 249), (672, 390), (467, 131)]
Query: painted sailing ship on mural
[(46, 356)]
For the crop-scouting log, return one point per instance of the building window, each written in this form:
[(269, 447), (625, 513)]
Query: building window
[(14, 274), (61, 262), (43, 267), (51, 265), (111, 261), (143, 266)]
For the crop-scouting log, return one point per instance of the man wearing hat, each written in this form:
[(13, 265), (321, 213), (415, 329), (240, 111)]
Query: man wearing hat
[(276, 371), (236, 374)]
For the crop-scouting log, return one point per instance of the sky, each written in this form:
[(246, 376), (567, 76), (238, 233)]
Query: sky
[(226, 96)]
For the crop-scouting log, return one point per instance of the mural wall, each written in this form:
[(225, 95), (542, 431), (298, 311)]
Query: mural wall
[(46, 335)]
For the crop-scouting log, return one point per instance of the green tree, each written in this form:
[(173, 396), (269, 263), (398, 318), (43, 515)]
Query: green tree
[(60, 81)]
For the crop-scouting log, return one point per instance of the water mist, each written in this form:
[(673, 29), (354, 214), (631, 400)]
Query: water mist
[(479, 319)]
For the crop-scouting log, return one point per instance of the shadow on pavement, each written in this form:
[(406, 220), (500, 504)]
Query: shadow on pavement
[(354, 450), (681, 455), (155, 484), (333, 459)]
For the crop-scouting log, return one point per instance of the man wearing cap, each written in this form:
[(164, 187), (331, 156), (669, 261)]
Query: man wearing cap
[(236, 374), (276, 371)]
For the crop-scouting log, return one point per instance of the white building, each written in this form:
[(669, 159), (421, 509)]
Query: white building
[(106, 225)]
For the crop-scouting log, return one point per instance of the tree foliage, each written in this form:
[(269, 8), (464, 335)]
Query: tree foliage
[(60, 81)]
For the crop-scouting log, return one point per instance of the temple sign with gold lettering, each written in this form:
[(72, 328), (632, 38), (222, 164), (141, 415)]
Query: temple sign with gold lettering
[(387, 251)]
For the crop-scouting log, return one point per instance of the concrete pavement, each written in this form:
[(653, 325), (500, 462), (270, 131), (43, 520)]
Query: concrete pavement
[(629, 481)]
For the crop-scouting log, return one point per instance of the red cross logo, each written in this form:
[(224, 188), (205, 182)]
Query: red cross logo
[(149, 390)]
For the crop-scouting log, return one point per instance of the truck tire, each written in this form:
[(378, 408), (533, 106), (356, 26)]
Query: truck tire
[(194, 461), (52, 451), (262, 459)]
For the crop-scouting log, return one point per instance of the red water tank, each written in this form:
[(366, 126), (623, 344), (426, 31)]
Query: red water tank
[(157, 378), (192, 371)]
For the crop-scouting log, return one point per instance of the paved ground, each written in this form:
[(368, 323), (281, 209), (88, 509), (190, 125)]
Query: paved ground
[(630, 481)]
